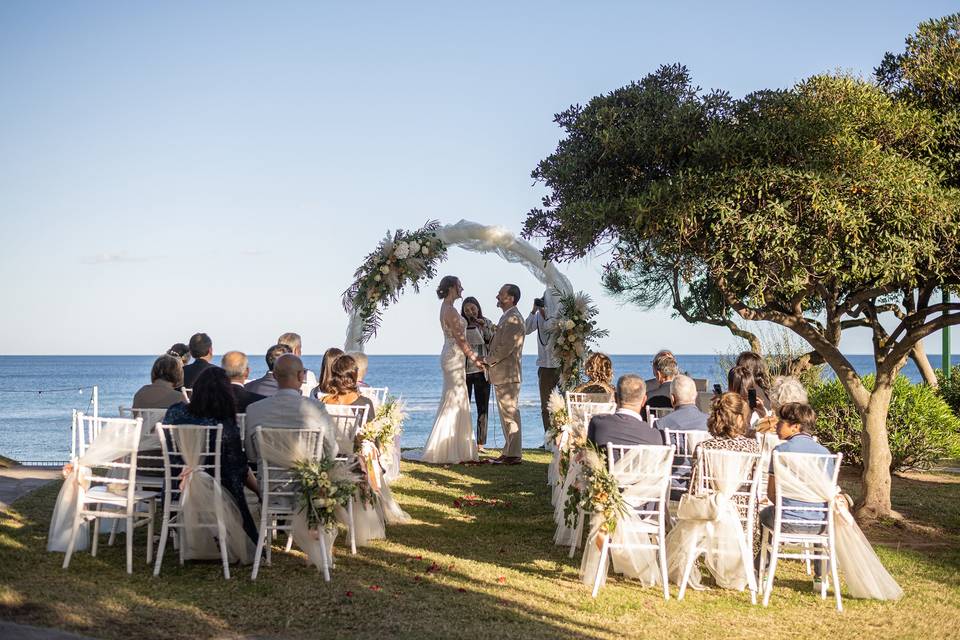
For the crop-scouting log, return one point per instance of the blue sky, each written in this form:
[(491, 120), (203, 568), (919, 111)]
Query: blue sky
[(173, 167)]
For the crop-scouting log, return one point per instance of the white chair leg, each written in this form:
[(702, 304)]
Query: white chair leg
[(289, 542), (764, 545), (601, 565), (129, 541), (325, 566), (692, 555), (153, 514), (73, 541), (577, 533), (353, 536), (663, 567), (774, 553), (836, 578), (222, 535), (806, 558), (113, 531), (96, 537), (164, 534), (256, 556)]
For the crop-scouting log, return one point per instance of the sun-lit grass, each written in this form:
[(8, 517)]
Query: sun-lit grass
[(472, 572)]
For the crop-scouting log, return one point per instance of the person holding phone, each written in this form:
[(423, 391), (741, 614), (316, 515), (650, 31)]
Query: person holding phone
[(542, 319), (740, 380), (479, 334)]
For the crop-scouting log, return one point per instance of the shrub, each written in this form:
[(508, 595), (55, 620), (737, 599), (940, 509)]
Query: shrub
[(949, 390), (922, 428)]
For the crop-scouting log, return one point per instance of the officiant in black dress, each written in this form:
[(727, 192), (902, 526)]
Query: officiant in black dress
[(479, 333)]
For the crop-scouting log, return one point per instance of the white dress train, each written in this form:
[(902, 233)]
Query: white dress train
[(452, 439)]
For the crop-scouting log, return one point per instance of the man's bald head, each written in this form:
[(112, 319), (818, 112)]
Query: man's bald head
[(236, 366), (289, 371)]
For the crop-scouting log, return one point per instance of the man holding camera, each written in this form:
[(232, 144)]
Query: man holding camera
[(542, 320)]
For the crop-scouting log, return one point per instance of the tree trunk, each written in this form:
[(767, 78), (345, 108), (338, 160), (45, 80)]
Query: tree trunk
[(875, 501), (919, 357)]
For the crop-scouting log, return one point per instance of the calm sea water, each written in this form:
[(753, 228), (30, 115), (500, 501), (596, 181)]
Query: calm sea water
[(36, 426)]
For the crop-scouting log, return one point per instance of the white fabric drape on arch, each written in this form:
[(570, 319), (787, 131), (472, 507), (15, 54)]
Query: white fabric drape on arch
[(479, 238), (800, 477), (114, 441), (722, 540), (200, 498), (652, 481)]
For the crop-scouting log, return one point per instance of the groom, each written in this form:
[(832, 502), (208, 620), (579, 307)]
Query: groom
[(503, 365)]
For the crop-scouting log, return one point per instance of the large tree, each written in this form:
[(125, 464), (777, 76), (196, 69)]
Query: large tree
[(819, 208)]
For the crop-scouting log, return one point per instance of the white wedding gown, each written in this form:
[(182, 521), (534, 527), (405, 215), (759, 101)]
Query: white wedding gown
[(452, 439)]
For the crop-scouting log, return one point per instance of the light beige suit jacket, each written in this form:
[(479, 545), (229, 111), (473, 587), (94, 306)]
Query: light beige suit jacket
[(506, 348)]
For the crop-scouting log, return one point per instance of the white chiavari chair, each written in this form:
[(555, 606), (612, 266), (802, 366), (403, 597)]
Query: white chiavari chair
[(655, 413), (175, 469), (113, 495), (642, 473), (800, 539), (686, 442), (347, 421), (377, 394), (279, 502), (713, 476)]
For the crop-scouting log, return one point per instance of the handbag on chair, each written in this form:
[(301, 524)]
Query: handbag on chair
[(698, 507)]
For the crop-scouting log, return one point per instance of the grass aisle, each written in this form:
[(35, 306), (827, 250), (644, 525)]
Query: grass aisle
[(463, 569)]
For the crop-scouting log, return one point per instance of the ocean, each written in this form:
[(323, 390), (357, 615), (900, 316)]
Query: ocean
[(37, 393)]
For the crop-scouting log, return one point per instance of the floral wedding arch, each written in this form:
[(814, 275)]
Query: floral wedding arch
[(408, 258)]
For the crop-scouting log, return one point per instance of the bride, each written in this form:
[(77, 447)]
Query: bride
[(452, 439)]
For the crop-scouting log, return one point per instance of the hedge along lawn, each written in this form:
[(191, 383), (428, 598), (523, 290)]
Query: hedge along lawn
[(465, 568)]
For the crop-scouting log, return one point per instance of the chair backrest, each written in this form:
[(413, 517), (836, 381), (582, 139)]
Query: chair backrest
[(583, 406), (122, 439), (655, 413), (274, 477), (644, 470), (803, 466), (347, 421), (686, 442), (150, 419), (712, 461), (88, 429), (768, 442), (377, 394), (171, 436)]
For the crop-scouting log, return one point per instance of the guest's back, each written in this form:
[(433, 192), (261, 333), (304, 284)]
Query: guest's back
[(288, 409), (201, 348), (165, 376), (622, 428), (267, 385)]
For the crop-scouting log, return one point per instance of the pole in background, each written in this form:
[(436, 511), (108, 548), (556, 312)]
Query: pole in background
[(945, 351)]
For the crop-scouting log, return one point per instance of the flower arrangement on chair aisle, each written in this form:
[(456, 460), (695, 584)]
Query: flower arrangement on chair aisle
[(595, 491), (375, 439), (405, 259), (575, 330), (322, 486)]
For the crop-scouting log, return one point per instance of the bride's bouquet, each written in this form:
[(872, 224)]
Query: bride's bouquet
[(405, 258)]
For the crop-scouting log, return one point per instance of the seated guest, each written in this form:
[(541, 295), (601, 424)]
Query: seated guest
[(363, 363), (267, 385), (740, 380), (237, 368), (211, 403), (652, 383), (784, 390), (665, 370), (288, 409), (201, 348), (727, 424), (181, 351), (795, 427), (326, 371), (755, 364), (295, 343), (165, 377), (343, 387), (685, 415), (599, 372), (624, 427)]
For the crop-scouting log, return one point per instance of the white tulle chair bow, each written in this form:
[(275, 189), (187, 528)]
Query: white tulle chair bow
[(637, 544), (805, 477), (208, 519), (725, 537)]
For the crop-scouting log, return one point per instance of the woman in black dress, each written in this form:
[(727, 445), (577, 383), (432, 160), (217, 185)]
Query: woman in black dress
[(212, 403)]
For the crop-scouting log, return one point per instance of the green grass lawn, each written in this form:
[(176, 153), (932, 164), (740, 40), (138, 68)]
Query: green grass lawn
[(470, 572)]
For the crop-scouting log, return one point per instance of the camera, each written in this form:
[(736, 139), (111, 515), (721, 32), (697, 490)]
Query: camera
[(538, 302)]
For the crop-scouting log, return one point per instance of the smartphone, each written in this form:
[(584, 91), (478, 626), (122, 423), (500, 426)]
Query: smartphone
[(718, 390), (752, 398)]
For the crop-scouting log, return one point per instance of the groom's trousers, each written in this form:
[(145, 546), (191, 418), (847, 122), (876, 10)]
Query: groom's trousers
[(508, 400)]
